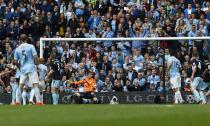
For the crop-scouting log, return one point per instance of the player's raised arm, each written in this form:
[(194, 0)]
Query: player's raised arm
[(78, 82)]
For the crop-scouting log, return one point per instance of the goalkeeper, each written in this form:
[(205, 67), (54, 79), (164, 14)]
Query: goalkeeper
[(89, 86)]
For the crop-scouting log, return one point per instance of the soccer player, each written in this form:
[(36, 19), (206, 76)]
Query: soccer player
[(56, 73), (25, 57), (42, 74), (42, 70), (207, 76), (90, 87), (198, 68), (173, 69)]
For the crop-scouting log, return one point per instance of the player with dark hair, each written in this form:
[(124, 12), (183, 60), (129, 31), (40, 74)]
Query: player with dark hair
[(90, 86), (173, 69), (198, 67), (25, 56), (56, 73)]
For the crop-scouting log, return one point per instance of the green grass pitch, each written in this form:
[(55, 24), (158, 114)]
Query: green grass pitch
[(105, 115)]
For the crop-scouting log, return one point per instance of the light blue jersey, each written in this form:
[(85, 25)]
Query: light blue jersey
[(175, 66), (17, 75), (42, 71), (138, 59), (25, 55)]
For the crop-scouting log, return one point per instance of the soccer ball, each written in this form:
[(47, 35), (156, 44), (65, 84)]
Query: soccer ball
[(188, 81)]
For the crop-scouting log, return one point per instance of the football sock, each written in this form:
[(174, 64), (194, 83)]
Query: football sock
[(54, 97), (41, 97), (32, 93), (57, 98), (179, 96), (203, 97), (18, 94), (37, 94), (176, 101), (24, 95), (14, 90), (196, 95)]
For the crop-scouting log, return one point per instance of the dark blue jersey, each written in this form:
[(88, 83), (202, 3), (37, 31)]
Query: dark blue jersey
[(207, 75), (200, 68), (56, 66), (189, 72)]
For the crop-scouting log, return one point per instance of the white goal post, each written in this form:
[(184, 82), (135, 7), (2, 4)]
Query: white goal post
[(42, 40)]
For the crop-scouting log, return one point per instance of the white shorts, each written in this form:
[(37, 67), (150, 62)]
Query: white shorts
[(175, 82), (29, 78), (198, 83), (55, 83)]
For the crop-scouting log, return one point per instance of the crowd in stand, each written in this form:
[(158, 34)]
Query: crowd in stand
[(122, 66)]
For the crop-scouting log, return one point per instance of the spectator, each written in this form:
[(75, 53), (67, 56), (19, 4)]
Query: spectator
[(154, 79), (188, 10), (36, 29), (108, 34), (108, 84), (131, 74), (80, 6), (117, 86), (192, 33), (140, 82)]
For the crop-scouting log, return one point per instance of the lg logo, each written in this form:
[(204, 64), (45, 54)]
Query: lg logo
[(67, 99)]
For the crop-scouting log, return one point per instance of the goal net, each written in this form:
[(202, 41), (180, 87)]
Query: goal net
[(148, 57)]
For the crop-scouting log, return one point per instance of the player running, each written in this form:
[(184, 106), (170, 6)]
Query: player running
[(25, 56), (173, 69), (197, 84)]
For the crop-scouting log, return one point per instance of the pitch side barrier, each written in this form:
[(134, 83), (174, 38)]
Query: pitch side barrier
[(122, 98)]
